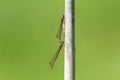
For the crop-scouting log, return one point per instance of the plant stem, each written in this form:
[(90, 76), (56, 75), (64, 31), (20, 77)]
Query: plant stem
[(69, 59)]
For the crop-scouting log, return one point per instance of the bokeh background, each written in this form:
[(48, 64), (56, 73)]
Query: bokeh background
[(28, 42)]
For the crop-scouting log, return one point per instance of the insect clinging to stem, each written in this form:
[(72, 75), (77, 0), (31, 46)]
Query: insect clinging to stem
[(59, 36)]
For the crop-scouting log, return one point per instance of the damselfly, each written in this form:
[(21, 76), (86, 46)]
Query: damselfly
[(59, 35)]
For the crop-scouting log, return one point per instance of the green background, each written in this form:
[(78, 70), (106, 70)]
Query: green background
[(28, 42)]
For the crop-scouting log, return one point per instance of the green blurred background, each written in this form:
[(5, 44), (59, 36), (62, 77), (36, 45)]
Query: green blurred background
[(28, 42)]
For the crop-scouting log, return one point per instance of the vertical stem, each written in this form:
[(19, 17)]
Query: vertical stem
[(69, 61)]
